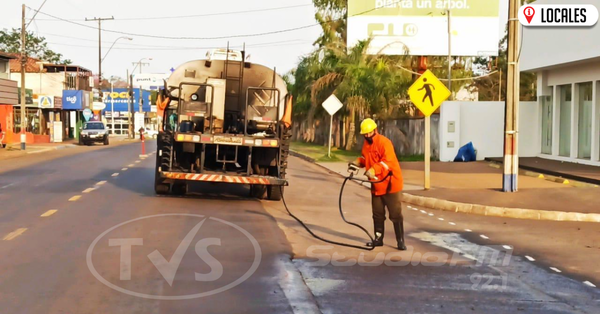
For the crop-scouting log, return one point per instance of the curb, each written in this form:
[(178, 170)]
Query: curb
[(474, 209), (518, 213)]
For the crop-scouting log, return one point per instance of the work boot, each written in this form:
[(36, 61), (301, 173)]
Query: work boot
[(379, 230), (399, 229)]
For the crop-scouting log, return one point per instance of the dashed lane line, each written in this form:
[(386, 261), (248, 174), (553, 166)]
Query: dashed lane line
[(137, 161), (49, 213), (441, 219), (124, 169), (88, 190), (130, 165), (101, 183), (484, 236), (74, 198), (115, 174), (452, 223), (556, 269), (14, 234), (468, 230), (587, 283), (529, 258)]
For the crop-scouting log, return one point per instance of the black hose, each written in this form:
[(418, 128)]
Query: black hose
[(360, 247)]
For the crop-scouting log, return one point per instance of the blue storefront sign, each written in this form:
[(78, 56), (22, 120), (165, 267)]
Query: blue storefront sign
[(119, 96), (72, 99)]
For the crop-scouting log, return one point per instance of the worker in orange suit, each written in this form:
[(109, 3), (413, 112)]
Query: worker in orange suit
[(383, 170)]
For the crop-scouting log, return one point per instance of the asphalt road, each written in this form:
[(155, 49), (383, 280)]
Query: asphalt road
[(107, 244)]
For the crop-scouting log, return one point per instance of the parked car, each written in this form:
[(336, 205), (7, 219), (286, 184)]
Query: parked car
[(93, 132), (151, 133)]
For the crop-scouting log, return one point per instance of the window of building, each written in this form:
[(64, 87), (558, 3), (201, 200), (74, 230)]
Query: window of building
[(585, 121), (33, 117), (564, 147)]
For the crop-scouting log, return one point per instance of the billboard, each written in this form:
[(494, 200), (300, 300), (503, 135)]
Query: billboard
[(149, 81), (420, 27), (118, 100)]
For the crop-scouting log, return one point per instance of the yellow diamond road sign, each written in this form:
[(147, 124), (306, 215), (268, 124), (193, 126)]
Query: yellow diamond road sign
[(428, 93)]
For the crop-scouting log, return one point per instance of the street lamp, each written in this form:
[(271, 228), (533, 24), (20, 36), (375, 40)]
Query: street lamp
[(113, 44), (139, 63)]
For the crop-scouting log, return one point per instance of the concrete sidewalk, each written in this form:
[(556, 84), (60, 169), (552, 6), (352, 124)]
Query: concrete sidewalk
[(567, 170), (474, 188)]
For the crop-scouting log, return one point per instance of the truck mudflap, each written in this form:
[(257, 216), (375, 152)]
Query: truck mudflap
[(260, 180)]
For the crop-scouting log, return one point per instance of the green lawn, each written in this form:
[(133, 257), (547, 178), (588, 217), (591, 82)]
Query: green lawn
[(319, 153)]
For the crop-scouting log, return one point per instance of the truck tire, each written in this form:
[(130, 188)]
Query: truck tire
[(259, 191), (179, 188), (160, 187), (275, 192)]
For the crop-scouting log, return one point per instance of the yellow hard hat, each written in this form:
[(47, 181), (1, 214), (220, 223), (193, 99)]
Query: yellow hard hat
[(367, 126)]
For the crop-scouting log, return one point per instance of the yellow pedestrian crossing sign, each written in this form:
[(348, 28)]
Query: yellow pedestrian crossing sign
[(428, 93)]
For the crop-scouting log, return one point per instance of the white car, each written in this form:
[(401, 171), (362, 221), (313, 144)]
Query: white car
[(151, 133), (94, 131)]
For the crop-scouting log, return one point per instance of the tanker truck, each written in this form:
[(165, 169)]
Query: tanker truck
[(226, 121)]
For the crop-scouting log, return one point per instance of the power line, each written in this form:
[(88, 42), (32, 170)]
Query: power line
[(267, 44), (33, 18), (209, 38), (197, 15)]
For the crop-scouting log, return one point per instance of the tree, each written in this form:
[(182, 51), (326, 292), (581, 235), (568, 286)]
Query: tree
[(35, 46)]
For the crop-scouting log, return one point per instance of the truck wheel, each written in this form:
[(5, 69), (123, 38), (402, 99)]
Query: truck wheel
[(275, 192), (258, 191), (179, 188), (161, 188)]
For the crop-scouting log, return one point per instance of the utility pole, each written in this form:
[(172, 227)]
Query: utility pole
[(449, 53), (511, 156), (23, 63), (100, 19)]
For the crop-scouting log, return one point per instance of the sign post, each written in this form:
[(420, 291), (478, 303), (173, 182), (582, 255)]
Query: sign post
[(331, 105), (428, 94)]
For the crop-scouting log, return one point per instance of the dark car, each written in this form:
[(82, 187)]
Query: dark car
[(93, 132)]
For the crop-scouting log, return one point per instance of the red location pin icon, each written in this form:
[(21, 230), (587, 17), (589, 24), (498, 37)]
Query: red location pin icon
[(529, 12)]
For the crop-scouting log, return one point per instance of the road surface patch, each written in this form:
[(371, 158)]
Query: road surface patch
[(14, 234), (49, 213)]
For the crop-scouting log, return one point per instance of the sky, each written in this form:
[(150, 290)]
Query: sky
[(171, 19), (77, 39)]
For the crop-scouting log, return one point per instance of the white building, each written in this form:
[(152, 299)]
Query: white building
[(567, 62)]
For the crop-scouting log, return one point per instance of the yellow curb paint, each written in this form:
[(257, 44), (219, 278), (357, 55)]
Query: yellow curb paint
[(566, 182), (74, 198), (14, 234), (88, 190), (101, 183), (49, 213)]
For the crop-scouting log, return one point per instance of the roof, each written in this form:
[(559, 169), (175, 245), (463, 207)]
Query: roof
[(5, 55), (551, 47), (35, 65)]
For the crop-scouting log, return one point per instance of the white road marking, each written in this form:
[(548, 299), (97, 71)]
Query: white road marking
[(74, 198), (589, 284), (452, 223), (101, 183), (507, 247), (531, 259), (430, 214), (468, 230), (484, 236), (556, 269), (115, 174), (137, 161), (130, 165), (124, 169), (7, 186), (49, 213), (14, 234), (88, 190), (424, 212), (415, 209), (441, 219)]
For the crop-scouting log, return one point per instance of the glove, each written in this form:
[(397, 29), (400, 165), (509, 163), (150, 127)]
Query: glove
[(371, 174), (355, 165)]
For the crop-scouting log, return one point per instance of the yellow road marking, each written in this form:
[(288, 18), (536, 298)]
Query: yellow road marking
[(101, 183), (14, 234), (74, 198), (124, 169), (88, 190), (115, 174), (49, 213), (131, 165)]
